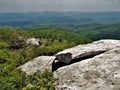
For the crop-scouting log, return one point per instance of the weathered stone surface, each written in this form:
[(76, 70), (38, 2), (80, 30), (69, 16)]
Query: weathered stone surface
[(81, 51), (101, 72), (38, 64), (34, 41)]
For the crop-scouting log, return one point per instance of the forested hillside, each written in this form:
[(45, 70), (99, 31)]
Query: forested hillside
[(14, 52), (95, 31), (98, 31), (54, 33)]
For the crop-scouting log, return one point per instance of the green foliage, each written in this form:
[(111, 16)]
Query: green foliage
[(12, 37), (18, 80), (38, 81)]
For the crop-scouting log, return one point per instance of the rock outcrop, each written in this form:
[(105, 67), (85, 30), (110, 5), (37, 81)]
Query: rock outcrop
[(83, 51), (38, 64), (101, 72), (33, 41), (94, 66)]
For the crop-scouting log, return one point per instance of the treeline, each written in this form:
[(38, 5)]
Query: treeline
[(14, 52)]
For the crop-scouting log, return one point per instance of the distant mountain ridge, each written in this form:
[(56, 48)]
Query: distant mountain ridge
[(57, 18)]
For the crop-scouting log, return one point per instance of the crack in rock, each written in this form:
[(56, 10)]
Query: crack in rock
[(58, 63)]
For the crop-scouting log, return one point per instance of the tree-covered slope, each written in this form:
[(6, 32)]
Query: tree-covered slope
[(100, 31), (54, 33), (96, 31)]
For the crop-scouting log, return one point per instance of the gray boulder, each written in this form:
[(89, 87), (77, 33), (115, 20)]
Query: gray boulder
[(87, 50), (33, 41), (101, 72), (38, 64)]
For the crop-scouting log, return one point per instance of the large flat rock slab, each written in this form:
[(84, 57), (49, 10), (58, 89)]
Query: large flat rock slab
[(101, 72), (38, 64), (86, 50)]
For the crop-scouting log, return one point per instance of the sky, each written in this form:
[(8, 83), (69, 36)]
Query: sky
[(58, 5)]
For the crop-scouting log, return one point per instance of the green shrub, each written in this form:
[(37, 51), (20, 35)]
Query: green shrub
[(18, 80)]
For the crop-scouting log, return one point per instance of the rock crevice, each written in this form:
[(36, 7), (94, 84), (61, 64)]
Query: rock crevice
[(58, 64), (81, 51)]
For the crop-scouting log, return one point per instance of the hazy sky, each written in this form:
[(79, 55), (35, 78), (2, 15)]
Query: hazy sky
[(58, 5)]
